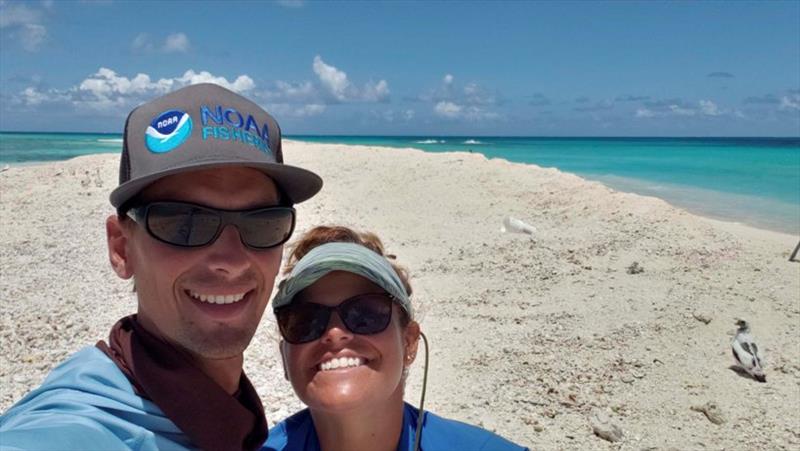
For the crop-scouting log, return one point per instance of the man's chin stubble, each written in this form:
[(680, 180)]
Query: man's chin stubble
[(220, 345)]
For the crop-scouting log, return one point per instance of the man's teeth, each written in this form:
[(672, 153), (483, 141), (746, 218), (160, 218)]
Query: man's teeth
[(341, 362), (217, 299)]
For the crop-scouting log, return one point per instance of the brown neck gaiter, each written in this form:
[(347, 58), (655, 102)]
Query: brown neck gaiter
[(211, 418)]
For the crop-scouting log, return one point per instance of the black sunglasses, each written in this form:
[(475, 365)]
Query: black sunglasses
[(365, 314), (189, 225)]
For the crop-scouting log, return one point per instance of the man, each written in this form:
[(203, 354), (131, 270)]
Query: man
[(204, 206)]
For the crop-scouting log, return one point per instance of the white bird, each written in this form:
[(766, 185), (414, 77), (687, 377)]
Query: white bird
[(745, 352), (514, 225)]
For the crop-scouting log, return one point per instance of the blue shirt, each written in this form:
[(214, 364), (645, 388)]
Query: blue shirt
[(297, 433), (87, 403)]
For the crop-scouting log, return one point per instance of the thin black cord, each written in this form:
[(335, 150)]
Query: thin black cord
[(421, 412)]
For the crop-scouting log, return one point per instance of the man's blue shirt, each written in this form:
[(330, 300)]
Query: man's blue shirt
[(87, 403)]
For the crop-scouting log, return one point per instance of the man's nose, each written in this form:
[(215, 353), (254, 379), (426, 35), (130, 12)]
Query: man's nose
[(228, 254)]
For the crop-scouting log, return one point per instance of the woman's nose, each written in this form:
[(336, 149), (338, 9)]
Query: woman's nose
[(336, 330)]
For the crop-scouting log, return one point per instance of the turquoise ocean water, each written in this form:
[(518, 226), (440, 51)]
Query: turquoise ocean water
[(755, 181)]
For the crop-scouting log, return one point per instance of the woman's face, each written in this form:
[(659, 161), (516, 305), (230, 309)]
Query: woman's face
[(374, 365)]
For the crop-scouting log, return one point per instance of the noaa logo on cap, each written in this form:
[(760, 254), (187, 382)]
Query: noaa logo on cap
[(168, 131)]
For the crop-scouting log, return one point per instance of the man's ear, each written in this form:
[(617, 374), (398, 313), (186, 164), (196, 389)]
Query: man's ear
[(117, 239), (282, 347), (411, 341)]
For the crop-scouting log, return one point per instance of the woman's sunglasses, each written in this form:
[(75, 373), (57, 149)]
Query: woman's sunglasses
[(365, 314), (189, 225)]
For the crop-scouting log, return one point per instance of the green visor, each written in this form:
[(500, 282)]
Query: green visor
[(349, 257)]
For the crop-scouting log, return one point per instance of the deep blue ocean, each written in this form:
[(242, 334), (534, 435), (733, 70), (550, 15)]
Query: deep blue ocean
[(755, 181)]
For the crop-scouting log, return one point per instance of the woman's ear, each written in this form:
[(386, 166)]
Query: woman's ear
[(282, 346), (411, 342), (117, 239)]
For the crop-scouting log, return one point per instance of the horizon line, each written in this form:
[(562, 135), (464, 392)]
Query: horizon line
[(458, 136)]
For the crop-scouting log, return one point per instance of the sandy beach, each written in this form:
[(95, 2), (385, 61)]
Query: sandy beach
[(617, 303)]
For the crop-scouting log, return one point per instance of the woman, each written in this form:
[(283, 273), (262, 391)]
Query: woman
[(349, 337)]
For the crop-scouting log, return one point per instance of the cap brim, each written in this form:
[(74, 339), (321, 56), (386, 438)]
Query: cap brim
[(297, 184)]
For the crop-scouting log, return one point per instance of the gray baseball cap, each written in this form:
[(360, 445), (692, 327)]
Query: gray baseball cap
[(204, 126)]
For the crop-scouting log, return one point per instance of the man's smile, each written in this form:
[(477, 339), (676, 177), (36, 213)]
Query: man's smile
[(217, 298)]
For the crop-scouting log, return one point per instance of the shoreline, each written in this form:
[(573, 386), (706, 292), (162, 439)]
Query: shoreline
[(710, 217)]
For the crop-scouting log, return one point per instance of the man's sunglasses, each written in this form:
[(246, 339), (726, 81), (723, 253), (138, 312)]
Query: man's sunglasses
[(189, 225), (365, 314)]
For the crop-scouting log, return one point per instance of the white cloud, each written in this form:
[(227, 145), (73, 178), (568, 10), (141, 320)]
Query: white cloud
[(106, 90), (390, 115), (15, 14), (447, 109), (680, 111), (475, 113), (106, 82), (709, 108), (142, 43), (312, 109), (287, 92), (23, 24), (291, 110), (32, 36), (471, 94), (376, 92), (335, 82), (331, 78), (33, 97), (289, 99), (173, 43), (176, 43), (450, 110), (790, 102), (704, 108), (241, 84)]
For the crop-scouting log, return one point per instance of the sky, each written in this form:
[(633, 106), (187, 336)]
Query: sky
[(680, 68)]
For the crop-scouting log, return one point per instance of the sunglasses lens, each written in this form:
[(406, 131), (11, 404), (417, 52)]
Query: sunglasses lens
[(366, 314), (190, 225), (303, 322), (182, 224), (267, 228)]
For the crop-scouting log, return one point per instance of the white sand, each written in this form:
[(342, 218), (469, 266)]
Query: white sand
[(529, 334)]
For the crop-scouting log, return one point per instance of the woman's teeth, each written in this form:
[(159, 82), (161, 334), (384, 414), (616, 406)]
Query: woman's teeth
[(217, 299), (341, 362)]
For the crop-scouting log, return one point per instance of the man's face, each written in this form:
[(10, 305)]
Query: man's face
[(177, 286)]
